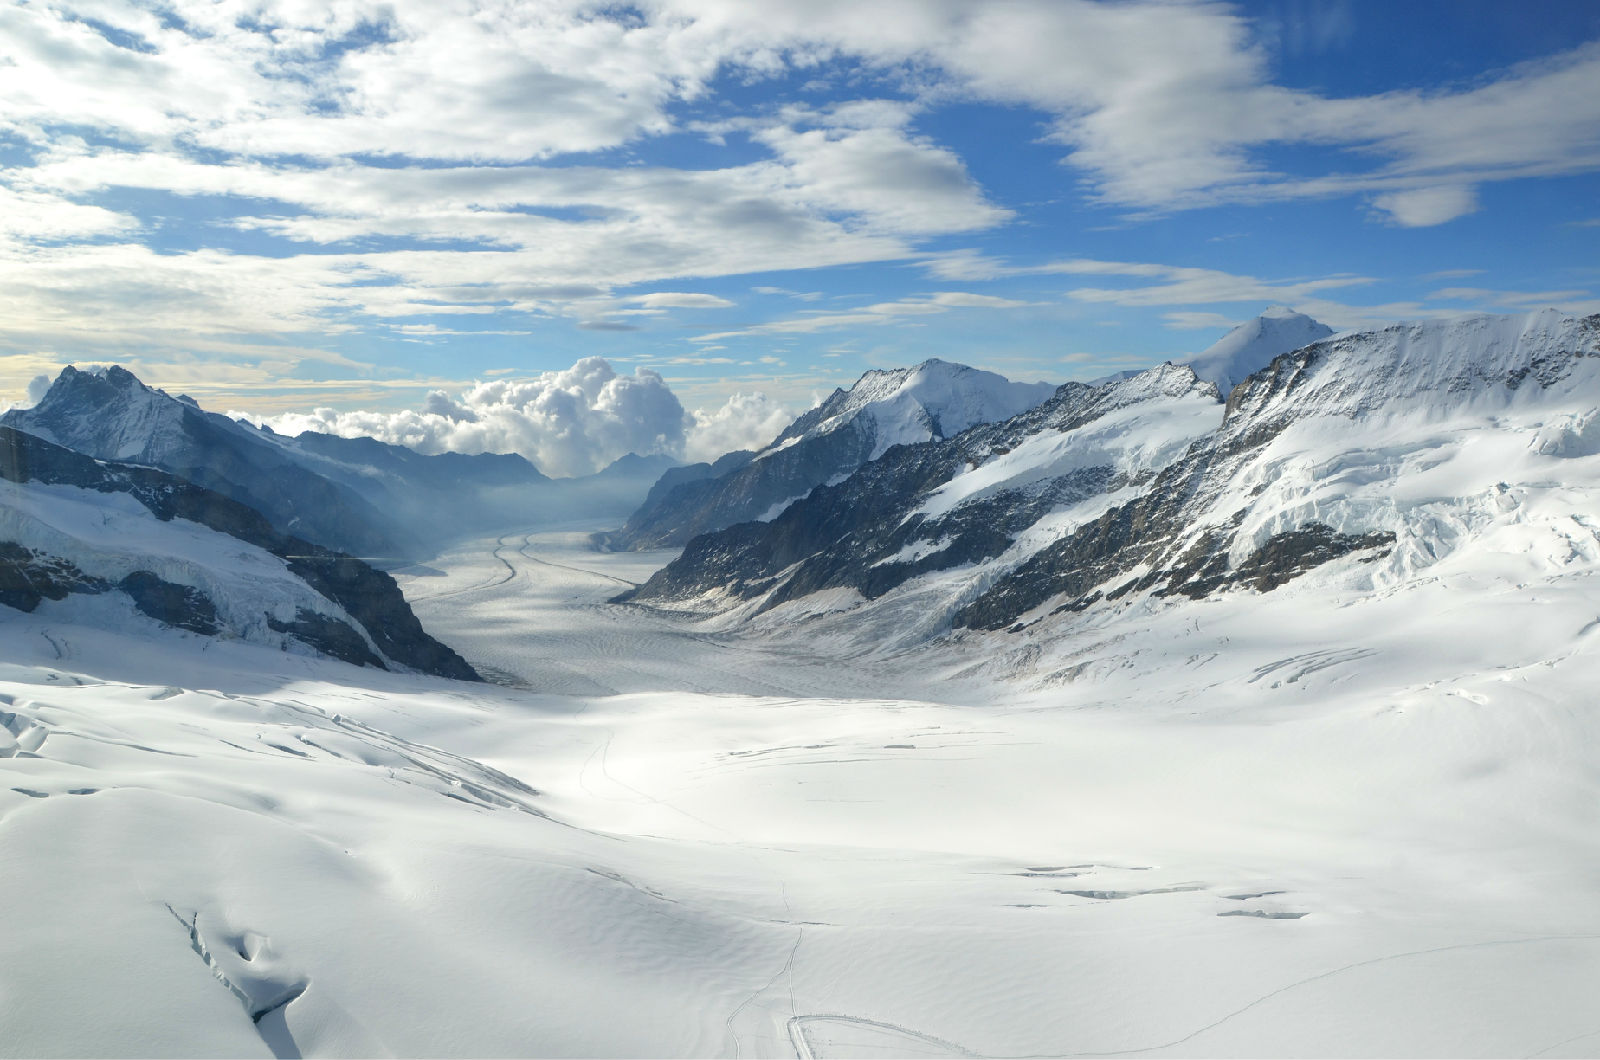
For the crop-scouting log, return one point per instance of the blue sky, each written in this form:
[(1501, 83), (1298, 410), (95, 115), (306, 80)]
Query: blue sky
[(279, 206)]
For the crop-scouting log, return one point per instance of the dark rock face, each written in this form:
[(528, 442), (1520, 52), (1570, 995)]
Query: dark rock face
[(634, 466), (329, 636), (369, 596), (440, 471), (1287, 555), (28, 577), (372, 598), (655, 514), (866, 533), (182, 606), (935, 399), (749, 492)]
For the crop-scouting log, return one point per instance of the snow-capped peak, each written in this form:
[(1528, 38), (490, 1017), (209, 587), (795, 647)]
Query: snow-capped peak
[(934, 399), (1252, 345), (107, 411)]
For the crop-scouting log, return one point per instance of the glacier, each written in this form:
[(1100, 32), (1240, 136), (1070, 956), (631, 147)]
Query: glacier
[(1355, 814)]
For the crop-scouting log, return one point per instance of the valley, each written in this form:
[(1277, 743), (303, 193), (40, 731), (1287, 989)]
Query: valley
[(1138, 722), (790, 529)]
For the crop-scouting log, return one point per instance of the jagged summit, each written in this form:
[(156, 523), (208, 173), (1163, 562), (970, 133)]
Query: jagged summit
[(1430, 366), (105, 410), (1252, 345)]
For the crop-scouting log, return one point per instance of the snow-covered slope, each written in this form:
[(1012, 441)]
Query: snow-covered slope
[(904, 406), (1390, 448), (1299, 824), (125, 546), (1252, 345), (1354, 815)]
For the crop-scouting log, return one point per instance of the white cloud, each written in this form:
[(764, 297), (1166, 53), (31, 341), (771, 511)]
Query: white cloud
[(438, 123), (862, 161), (1161, 104), (745, 421), (680, 300), (1576, 300), (1424, 207), (571, 422), (1195, 320), (876, 314), (35, 215), (1157, 285)]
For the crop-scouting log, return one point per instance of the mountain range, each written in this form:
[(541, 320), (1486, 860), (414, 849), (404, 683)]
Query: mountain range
[(368, 498), (1371, 453), (1144, 719), (934, 400)]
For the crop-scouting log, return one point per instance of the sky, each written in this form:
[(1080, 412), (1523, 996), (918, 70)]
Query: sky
[(674, 224)]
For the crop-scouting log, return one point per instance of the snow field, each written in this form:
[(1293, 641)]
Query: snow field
[(1294, 824)]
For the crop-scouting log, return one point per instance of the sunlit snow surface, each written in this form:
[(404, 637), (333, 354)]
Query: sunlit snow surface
[(1314, 822)]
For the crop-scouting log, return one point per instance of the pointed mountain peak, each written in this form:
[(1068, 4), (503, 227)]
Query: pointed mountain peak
[(96, 383), (105, 411), (1252, 345)]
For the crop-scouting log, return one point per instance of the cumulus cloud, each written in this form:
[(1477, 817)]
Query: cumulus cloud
[(569, 422), (745, 421)]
